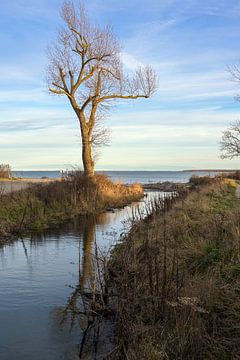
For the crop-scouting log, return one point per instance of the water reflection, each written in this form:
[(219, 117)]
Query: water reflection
[(42, 278), (46, 281), (88, 242)]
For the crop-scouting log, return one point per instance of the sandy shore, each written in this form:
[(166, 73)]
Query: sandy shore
[(8, 186)]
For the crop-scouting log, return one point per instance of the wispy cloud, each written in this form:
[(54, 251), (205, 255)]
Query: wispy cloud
[(31, 9), (29, 96), (130, 62)]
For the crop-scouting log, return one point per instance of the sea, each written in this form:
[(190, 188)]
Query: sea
[(128, 177)]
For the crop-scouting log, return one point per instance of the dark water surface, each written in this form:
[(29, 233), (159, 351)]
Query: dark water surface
[(37, 278)]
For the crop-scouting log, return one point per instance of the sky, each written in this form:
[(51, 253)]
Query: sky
[(190, 43)]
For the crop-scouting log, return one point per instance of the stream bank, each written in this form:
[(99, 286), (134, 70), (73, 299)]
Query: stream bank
[(174, 276), (49, 204)]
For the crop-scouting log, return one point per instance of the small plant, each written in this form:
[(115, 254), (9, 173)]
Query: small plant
[(235, 269)]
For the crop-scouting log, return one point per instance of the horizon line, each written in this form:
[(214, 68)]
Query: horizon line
[(135, 170)]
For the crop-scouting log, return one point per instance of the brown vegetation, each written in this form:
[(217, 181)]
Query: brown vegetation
[(5, 171), (176, 278), (234, 175), (47, 204), (196, 181)]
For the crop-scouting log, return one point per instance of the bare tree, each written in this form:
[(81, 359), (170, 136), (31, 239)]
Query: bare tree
[(85, 66), (230, 143)]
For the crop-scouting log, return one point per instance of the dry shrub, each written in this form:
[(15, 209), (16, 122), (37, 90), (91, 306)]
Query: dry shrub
[(201, 180), (234, 175), (5, 171)]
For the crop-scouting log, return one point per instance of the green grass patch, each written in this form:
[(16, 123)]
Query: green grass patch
[(222, 200)]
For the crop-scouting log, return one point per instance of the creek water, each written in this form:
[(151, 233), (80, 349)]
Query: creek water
[(38, 275)]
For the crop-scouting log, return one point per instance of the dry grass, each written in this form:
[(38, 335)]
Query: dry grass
[(47, 204), (177, 278)]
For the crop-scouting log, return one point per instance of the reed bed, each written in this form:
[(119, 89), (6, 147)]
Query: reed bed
[(176, 278), (46, 205)]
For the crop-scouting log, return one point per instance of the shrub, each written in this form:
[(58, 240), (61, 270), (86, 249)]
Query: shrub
[(201, 180), (5, 171), (235, 175)]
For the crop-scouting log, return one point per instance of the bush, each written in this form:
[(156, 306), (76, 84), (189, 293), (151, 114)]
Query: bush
[(201, 180), (5, 171), (235, 175)]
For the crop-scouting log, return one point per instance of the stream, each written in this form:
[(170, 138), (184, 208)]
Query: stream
[(38, 275)]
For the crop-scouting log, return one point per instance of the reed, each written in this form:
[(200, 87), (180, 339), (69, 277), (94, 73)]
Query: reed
[(46, 205), (176, 278)]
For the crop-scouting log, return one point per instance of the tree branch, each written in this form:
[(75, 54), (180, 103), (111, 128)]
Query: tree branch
[(63, 78), (89, 99), (58, 92), (119, 96)]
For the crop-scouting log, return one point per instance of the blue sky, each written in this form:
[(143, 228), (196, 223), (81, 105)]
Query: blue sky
[(188, 42)]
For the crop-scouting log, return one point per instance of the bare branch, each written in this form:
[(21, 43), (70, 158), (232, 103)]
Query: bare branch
[(230, 143), (58, 92), (85, 104), (119, 96), (234, 71)]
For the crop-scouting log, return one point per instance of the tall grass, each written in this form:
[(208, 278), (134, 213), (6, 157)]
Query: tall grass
[(176, 278), (46, 205)]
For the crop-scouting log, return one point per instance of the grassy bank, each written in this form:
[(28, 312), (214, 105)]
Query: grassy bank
[(46, 205), (177, 279)]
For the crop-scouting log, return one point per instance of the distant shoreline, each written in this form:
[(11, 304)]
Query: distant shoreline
[(100, 171), (211, 170), (127, 176)]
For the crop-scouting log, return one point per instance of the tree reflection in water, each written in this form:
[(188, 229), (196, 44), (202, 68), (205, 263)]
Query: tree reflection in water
[(87, 305), (54, 265)]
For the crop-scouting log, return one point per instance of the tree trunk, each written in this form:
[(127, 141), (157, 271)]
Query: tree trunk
[(88, 163)]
